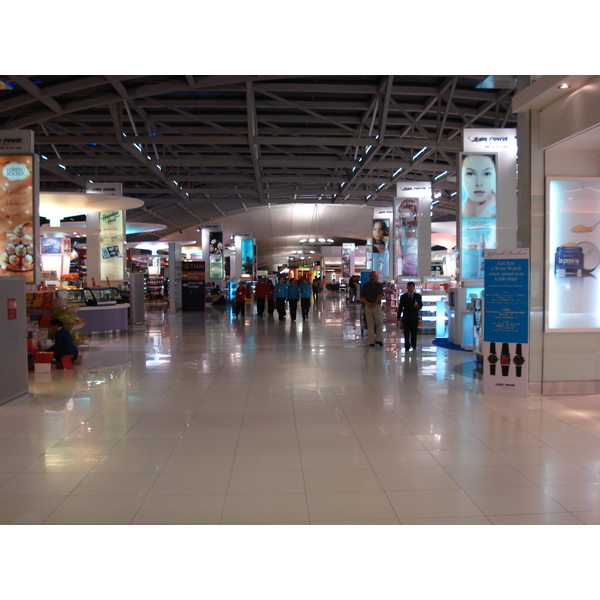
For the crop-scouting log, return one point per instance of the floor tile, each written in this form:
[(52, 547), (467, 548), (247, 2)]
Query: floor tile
[(421, 504), (182, 484), (583, 497), (180, 510), (151, 463), (267, 462), (402, 459), (41, 484), (543, 519), (96, 510), (415, 479), (27, 510), (265, 508), (349, 506), (514, 501), (266, 482), (488, 477), (198, 463), (115, 484), (355, 480)]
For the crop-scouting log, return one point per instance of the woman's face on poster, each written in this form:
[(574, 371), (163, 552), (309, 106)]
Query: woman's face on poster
[(379, 232), (478, 177)]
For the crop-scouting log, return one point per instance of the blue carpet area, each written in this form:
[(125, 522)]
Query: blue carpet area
[(444, 343)]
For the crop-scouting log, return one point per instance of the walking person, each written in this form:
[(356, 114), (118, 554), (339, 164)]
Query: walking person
[(293, 295), (281, 297), (316, 286), (270, 298), (371, 295), (260, 293), (305, 294), (408, 314), (240, 299)]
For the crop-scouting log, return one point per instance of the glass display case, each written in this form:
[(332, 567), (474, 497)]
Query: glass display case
[(75, 296), (104, 296)]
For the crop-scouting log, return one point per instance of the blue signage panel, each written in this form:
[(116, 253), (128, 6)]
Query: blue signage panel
[(506, 309)]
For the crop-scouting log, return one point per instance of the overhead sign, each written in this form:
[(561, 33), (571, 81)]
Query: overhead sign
[(16, 141)]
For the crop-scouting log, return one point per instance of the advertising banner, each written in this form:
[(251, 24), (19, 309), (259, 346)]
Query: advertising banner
[(348, 251), (478, 185), (506, 322), (18, 217), (215, 254), (412, 229), (382, 219), (112, 238), (193, 277), (247, 257), (488, 201), (573, 255)]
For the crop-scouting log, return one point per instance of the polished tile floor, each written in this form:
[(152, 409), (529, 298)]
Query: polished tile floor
[(199, 418)]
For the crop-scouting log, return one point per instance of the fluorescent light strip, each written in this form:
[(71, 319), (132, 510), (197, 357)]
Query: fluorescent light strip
[(419, 152)]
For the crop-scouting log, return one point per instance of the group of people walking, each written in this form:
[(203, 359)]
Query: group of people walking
[(287, 295), (276, 296)]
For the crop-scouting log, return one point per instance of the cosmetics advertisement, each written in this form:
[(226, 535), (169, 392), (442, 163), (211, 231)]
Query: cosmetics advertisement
[(573, 255), (412, 229), (18, 250), (382, 219), (348, 251), (506, 322), (478, 184)]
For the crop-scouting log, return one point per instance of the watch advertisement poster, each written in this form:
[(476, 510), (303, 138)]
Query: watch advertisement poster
[(18, 250), (112, 238), (573, 255), (382, 219), (506, 322)]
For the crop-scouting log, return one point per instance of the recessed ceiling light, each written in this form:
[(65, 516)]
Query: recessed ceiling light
[(564, 86)]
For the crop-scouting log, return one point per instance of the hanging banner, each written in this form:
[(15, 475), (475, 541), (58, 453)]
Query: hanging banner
[(348, 252), (382, 219), (506, 322), (247, 257), (215, 254), (109, 189), (412, 229), (573, 255), (488, 201), (112, 238), (18, 217)]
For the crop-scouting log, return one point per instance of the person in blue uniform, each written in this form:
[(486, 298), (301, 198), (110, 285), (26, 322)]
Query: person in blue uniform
[(280, 297), (305, 294), (63, 342), (293, 295)]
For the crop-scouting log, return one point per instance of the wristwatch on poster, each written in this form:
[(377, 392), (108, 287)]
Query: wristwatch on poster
[(505, 359), (493, 358), (518, 360)]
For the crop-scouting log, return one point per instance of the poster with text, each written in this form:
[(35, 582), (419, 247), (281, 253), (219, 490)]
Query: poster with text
[(506, 322), (17, 217), (478, 184), (348, 250), (573, 255), (112, 238)]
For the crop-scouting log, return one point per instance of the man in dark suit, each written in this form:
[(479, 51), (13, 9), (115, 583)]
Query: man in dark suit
[(63, 342), (408, 314)]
